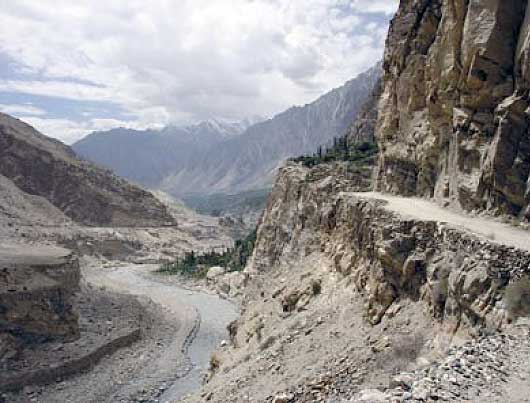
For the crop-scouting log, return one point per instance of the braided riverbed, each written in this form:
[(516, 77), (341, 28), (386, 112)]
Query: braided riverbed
[(203, 322)]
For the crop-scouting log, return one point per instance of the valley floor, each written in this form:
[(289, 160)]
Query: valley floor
[(204, 318), (181, 330)]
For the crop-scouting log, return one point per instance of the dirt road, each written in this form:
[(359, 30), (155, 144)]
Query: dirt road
[(425, 210)]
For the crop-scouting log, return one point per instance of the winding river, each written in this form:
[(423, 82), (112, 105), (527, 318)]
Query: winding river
[(204, 319)]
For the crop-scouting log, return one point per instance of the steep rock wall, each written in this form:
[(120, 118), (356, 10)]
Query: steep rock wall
[(36, 287), (459, 277), (337, 280), (454, 115)]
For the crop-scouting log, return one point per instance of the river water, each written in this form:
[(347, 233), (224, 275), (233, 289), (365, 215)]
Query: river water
[(207, 314)]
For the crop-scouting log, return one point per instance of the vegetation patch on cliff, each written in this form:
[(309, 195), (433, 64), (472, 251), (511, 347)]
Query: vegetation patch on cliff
[(361, 153)]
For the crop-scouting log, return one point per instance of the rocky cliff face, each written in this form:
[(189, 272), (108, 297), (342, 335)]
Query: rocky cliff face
[(454, 116), (41, 166), (338, 284), (36, 290), (387, 257)]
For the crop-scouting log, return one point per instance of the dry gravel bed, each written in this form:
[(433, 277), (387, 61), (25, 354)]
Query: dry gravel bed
[(120, 376)]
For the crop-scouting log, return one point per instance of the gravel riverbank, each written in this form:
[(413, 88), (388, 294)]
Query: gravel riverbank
[(180, 329), (204, 318)]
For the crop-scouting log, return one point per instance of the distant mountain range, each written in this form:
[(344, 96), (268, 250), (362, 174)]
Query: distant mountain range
[(217, 157), (149, 156)]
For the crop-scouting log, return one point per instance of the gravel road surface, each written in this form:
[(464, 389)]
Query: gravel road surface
[(425, 210)]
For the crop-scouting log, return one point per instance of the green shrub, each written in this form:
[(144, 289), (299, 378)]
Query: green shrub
[(342, 150), (316, 287), (215, 362)]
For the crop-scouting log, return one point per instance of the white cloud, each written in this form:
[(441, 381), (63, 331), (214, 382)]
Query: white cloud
[(169, 61), (66, 130), (22, 110), (69, 131), (374, 6), (61, 89)]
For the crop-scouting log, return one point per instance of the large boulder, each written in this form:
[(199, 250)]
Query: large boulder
[(215, 272)]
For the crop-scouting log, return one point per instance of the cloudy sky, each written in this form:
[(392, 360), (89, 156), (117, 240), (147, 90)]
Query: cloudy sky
[(71, 67)]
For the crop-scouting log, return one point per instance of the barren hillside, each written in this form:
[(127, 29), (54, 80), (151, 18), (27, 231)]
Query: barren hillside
[(366, 297), (89, 195)]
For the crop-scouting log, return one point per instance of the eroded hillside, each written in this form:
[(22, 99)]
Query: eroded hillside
[(358, 296), (89, 195), (54, 323)]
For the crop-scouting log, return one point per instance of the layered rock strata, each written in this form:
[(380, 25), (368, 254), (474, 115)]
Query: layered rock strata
[(36, 287), (41, 166), (460, 277)]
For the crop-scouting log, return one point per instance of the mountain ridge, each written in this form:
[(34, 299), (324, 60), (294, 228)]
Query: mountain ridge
[(238, 163), (41, 166), (143, 156)]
